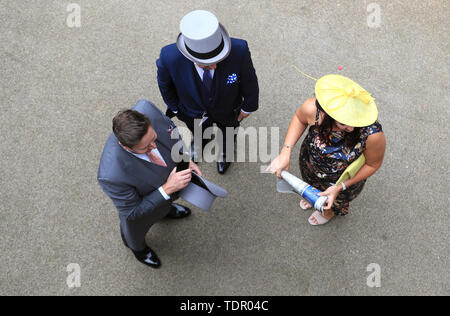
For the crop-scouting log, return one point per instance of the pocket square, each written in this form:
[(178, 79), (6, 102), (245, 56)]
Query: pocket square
[(231, 79)]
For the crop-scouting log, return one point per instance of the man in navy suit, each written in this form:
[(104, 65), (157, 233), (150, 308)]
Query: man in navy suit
[(208, 77)]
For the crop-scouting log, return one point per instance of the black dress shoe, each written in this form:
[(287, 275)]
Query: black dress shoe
[(123, 238), (148, 257), (170, 114), (223, 166), (178, 211)]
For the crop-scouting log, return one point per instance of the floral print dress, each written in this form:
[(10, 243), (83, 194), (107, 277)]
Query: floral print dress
[(322, 163)]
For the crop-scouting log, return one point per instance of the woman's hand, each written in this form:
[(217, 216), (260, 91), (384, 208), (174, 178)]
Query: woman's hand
[(298, 125), (332, 193), (282, 162)]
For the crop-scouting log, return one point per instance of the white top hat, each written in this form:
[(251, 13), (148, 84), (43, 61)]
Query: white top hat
[(203, 39)]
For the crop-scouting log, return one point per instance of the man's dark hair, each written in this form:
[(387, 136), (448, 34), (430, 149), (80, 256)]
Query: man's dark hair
[(130, 127)]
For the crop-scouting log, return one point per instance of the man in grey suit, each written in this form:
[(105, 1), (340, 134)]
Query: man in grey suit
[(138, 173)]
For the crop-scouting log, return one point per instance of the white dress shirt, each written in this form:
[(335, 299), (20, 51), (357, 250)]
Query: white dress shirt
[(201, 71)]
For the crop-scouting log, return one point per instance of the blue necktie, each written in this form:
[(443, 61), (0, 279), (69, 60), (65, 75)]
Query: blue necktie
[(207, 80)]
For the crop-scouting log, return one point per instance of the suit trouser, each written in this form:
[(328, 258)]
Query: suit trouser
[(133, 233), (190, 123)]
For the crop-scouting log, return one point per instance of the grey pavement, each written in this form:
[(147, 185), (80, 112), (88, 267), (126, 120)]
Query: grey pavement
[(61, 86)]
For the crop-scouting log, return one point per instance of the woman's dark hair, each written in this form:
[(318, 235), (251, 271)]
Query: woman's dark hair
[(351, 139), (130, 127)]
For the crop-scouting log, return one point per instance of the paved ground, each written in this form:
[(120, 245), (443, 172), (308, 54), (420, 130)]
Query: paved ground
[(61, 86)]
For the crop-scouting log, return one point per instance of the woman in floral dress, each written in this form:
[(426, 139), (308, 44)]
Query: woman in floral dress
[(343, 125)]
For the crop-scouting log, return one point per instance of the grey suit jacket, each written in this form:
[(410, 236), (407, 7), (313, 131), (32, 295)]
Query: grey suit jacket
[(132, 183)]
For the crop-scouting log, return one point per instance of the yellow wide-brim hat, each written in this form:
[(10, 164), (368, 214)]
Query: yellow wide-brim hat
[(346, 101)]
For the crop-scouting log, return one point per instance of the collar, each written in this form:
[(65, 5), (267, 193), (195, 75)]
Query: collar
[(200, 71)]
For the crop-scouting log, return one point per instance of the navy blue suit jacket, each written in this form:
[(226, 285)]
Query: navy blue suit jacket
[(179, 90)]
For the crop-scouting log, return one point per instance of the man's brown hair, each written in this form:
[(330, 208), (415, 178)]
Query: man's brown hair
[(130, 127)]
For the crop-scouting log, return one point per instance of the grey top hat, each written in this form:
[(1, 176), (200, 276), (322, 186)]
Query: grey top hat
[(202, 193), (203, 39)]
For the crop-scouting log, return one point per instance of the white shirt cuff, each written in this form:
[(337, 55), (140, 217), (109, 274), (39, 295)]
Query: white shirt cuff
[(163, 193), (245, 112)]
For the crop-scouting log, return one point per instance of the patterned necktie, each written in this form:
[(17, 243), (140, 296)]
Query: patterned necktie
[(207, 80), (154, 158)]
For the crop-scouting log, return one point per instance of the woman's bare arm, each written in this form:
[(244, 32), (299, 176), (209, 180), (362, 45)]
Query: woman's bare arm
[(297, 127), (374, 153), (375, 149)]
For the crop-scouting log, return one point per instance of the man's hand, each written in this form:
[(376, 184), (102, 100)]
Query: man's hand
[(194, 167), (177, 181), (242, 116)]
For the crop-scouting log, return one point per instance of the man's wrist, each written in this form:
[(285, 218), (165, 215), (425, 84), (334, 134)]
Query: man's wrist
[(166, 189), (164, 193)]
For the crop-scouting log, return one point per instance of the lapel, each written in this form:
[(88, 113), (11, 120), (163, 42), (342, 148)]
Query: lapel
[(164, 141), (165, 144), (141, 169), (187, 73), (166, 152), (218, 74)]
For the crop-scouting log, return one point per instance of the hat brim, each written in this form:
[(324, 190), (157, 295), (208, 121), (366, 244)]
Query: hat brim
[(354, 113), (202, 193), (207, 62)]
